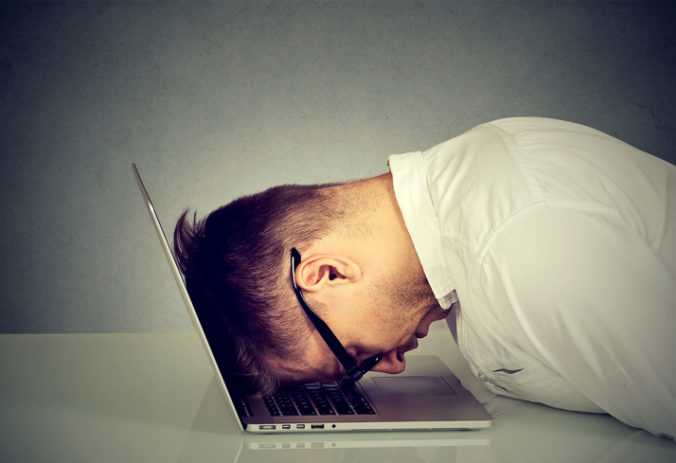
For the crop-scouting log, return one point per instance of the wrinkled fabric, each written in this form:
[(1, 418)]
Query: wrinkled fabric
[(559, 242)]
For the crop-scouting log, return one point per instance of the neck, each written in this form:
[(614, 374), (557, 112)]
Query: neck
[(374, 232)]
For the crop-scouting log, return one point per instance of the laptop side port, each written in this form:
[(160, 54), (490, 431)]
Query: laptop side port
[(316, 426), (267, 427)]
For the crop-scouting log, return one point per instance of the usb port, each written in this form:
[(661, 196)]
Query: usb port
[(316, 426), (266, 427), (300, 426), (286, 426)]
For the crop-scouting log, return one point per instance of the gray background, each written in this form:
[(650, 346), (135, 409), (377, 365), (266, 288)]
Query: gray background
[(217, 100)]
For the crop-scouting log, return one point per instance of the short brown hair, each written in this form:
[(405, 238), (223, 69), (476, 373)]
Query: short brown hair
[(236, 266)]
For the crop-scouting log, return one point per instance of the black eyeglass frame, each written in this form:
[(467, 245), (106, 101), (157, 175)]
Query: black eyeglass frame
[(354, 371)]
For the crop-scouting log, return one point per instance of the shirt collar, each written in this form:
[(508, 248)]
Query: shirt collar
[(413, 197)]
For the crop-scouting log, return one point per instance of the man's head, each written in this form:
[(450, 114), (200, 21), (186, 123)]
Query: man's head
[(358, 271)]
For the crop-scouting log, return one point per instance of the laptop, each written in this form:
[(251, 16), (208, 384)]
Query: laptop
[(427, 396)]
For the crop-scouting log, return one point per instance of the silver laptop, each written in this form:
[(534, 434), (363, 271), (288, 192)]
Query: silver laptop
[(426, 396)]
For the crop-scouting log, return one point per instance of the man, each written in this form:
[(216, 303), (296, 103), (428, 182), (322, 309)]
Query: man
[(553, 244)]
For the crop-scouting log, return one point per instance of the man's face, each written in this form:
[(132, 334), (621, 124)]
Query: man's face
[(386, 318)]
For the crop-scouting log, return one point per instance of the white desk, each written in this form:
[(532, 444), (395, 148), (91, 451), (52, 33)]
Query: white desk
[(151, 397)]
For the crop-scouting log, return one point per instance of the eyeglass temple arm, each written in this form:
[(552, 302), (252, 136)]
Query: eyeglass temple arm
[(345, 359)]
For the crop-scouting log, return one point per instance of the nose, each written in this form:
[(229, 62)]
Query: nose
[(393, 362)]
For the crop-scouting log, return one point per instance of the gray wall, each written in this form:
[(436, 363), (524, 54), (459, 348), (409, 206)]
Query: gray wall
[(213, 101)]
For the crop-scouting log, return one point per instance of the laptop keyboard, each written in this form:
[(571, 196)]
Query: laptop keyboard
[(317, 399)]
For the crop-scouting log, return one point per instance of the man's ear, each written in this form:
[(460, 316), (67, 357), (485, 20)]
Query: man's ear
[(321, 271)]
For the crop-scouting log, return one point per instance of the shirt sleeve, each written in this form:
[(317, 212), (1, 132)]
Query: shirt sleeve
[(597, 304)]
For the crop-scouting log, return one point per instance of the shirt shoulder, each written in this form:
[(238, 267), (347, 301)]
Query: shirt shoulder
[(483, 178), (476, 182)]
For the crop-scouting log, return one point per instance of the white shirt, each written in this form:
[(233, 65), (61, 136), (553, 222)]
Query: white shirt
[(560, 243)]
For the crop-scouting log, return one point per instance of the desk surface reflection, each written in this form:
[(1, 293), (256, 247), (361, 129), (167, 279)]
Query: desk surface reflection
[(152, 397)]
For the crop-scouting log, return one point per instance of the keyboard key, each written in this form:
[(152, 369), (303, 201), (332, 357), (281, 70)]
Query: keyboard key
[(318, 398)]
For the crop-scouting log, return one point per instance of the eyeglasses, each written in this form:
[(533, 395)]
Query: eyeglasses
[(354, 371)]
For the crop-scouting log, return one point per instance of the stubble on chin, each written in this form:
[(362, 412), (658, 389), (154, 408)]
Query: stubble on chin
[(408, 297)]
